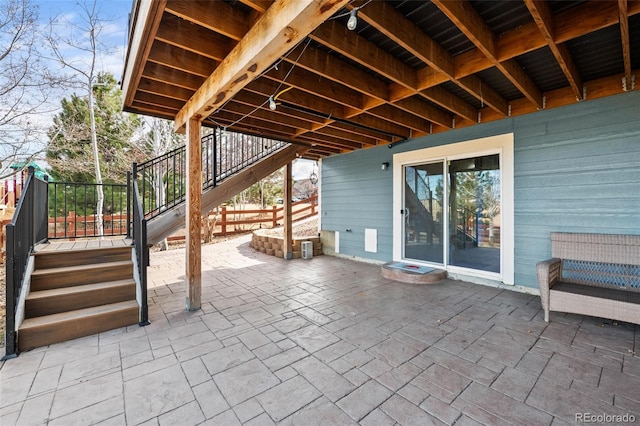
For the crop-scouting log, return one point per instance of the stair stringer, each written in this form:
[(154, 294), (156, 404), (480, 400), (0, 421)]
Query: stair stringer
[(172, 220)]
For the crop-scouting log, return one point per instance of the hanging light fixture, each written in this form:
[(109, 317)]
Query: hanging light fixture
[(352, 23), (272, 99)]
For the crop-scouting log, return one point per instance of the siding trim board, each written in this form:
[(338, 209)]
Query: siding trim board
[(575, 169)]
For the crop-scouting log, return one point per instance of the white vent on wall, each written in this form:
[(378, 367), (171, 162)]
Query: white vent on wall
[(307, 249)]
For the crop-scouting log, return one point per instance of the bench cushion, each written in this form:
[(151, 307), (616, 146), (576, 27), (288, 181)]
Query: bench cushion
[(595, 301)]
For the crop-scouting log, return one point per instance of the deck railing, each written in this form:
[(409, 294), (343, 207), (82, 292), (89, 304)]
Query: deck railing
[(28, 228), (139, 233), (162, 180), (73, 210)]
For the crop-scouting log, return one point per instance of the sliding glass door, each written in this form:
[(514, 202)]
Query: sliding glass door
[(451, 212)]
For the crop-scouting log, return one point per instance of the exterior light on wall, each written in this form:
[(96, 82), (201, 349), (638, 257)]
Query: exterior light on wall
[(385, 165)]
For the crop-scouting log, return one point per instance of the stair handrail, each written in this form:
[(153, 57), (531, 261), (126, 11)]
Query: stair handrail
[(162, 179), (140, 247), (27, 229)]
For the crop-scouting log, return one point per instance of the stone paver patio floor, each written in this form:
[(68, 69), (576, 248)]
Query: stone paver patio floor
[(327, 341)]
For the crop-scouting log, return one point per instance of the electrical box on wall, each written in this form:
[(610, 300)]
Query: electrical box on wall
[(307, 249)]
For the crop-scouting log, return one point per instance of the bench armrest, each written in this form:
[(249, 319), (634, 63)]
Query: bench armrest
[(549, 272)]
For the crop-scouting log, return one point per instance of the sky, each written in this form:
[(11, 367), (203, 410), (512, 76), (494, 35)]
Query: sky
[(115, 16)]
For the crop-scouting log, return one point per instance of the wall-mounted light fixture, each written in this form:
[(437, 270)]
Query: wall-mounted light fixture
[(384, 165)]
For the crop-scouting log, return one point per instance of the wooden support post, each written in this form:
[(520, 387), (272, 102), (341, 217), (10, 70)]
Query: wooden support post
[(287, 246), (193, 216)]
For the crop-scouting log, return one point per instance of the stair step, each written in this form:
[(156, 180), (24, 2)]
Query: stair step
[(47, 302), (49, 329), (47, 279), (84, 256)]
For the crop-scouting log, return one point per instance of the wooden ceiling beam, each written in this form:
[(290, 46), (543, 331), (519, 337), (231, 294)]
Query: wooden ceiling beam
[(181, 59), (281, 27), (322, 106), (265, 114), (623, 11), (449, 101), (568, 25), (467, 19), (421, 109), (231, 120), (172, 76), (543, 17), (390, 22), (395, 125), (315, 85), (158, 100), (151, 109), (332, 68), (185, 35), (164, 89), (220, 17), (280, 116), (252, 99), (357, 48), (260, 6), (336, 36)]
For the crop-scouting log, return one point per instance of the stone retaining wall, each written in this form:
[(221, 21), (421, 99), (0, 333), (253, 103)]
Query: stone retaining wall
[(273, 245)]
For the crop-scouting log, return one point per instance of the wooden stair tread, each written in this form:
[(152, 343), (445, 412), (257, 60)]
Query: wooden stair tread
[(46, 320), (62, 252), (62, 291), (79, 268)]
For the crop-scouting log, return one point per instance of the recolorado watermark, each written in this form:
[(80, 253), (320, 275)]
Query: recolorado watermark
[(605, 418)]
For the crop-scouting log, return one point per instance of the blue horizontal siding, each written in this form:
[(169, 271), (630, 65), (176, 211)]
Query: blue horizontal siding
[(577, 169)]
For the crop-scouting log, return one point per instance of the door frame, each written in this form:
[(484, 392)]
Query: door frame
[(502, 144)]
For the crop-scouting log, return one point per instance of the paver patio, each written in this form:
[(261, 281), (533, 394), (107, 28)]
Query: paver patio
[(327, 341)]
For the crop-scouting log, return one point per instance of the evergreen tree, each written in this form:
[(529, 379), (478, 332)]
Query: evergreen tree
[(69, 152)]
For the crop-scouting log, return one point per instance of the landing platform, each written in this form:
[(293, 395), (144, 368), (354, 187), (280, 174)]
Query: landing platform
[(412, 274)]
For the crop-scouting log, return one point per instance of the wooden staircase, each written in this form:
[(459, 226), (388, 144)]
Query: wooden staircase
[(76, 293)]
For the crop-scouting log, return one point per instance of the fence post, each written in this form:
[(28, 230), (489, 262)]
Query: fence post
[(223, 224), (71, 224), (274, 220), (313, 204)]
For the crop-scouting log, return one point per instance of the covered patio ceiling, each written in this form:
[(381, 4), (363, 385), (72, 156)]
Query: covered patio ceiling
[(409, 69)]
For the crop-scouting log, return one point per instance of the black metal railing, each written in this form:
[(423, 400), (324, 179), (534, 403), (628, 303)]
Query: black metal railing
[(141, 249), (27, 228), (73, 210), (162, 180)]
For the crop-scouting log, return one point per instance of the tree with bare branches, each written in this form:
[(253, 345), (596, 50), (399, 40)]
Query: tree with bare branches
[(25, 85)]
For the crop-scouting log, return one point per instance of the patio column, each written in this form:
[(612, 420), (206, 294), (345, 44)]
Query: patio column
[(193, 215), (287, 246)]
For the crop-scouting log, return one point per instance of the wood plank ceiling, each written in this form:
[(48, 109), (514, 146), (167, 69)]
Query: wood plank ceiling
[(409, 69)]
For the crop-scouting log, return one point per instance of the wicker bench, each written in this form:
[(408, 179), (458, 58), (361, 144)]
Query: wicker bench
[(592, 274)]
